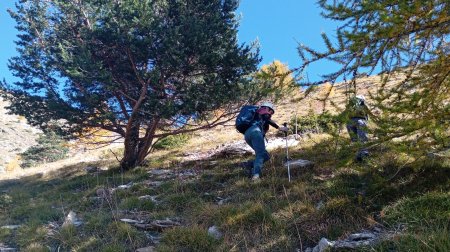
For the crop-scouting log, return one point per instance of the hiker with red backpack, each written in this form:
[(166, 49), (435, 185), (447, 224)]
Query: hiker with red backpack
[(253, 122)]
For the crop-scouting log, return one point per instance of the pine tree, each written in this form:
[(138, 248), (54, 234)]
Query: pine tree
[(406, 39), (142, 69)]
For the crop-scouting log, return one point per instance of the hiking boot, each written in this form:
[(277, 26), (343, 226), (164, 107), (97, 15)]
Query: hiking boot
[(256, 178)]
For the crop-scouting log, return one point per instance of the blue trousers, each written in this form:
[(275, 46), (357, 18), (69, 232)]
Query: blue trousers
[(255, 139), (357, 129)]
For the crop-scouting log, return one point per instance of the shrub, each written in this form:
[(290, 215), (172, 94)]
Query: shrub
[(317, 123), (171, 142), (50, 148)]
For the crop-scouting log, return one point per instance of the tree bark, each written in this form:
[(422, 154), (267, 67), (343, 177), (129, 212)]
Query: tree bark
[(131, 152)]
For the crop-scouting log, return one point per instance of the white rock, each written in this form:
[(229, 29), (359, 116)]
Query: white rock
[(299, 163), (214, 232), (324, 244), (72, 219), (146, 249), (130, 221), (11, 226), (159, 171)]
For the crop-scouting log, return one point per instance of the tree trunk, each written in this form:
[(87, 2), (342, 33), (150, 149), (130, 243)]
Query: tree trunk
[(131, 152), (136, 150)]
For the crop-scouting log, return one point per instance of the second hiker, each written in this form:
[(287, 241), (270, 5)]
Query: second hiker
[(357, 114), (255, 134)]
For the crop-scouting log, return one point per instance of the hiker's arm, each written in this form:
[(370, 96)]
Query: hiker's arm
[(273, 124)]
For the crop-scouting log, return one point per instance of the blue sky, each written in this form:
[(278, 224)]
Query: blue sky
[(278, 25)]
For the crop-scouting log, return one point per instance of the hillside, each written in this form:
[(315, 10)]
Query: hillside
[(194, 197), (15, 137)]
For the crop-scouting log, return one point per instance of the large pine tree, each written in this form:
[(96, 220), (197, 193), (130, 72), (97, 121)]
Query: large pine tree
[(142, 69), (404, 38)]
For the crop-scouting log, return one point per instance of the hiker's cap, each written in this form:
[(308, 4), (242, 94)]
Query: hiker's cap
[(361, 97), (268, 104)]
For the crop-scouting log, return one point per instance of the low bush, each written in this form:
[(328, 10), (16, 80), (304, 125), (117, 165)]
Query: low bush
[(316, 123), (170, 142), (50, 148)]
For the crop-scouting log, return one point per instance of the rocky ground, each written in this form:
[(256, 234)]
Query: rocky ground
[(16, 135)]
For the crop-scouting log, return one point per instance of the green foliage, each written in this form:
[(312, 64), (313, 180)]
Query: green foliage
[(317, 123), (192, 239), (50, 147), (409, 52), (170, 142), (133, 67), (273, 81)]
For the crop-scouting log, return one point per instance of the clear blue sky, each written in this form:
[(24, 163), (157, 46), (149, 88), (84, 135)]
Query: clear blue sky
[(278, 25)]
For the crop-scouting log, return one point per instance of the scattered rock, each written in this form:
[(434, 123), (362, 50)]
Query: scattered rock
[(320, 205), (11, 226), (357, 240), (72, 219), (299, 163), (155, 237), (4, 248), (158, 225), (221, 201), (122, 187), (214, 232), (146, 249), (91, 169), (187, 173), (153, 183), (159, 172), (130, 221), (149, 197)]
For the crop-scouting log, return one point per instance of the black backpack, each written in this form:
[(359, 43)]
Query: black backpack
[(245, 118)]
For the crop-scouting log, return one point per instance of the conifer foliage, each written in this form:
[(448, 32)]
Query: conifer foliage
[(407, 40), (142, 69)]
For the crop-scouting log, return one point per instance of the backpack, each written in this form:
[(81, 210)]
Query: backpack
[(245, 118), (358, 108)]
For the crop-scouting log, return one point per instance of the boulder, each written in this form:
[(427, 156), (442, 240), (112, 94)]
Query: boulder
[(299, 164)]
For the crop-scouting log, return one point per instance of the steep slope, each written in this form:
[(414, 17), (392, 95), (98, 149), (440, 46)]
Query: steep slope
[(15, 137)]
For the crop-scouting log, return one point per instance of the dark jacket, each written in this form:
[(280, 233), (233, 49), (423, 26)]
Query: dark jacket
[(263, 121)]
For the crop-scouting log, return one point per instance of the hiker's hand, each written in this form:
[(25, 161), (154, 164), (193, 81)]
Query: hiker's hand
[(284, 129)]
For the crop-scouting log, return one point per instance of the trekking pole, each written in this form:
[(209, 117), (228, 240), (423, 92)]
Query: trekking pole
[(287, 153)]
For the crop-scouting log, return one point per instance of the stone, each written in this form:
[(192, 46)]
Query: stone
[(11, 226), (91, 169), (320, 205), (3, 248), (146, 249), (215, 232), (72, 219), (153, 183), (122, 187), (130, 221), (299, 163), (158, 225), (361, 236), (324, 244), (158, 172)]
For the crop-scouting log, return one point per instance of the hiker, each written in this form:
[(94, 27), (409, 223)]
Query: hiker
[(357, 114), (255, 134)]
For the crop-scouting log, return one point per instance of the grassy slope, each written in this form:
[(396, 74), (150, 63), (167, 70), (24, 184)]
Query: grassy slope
[(274, 215)]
